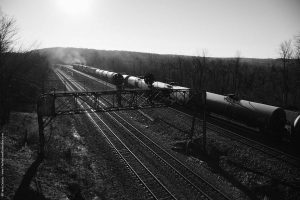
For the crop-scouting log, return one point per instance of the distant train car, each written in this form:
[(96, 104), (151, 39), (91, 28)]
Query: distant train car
[(265, 117), (177, 93), (79, 67), (112, 77), (161, 85), (135, 82), (181, 94), (125, 77)]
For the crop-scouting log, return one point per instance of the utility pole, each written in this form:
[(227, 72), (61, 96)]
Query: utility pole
[(193, 126), (204, 120), (191, 133), (41, 135)]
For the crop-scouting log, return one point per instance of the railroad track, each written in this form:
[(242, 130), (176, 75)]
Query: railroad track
[(259, 146), (173, 166), (275, 153), (193, 183), (143, 176)]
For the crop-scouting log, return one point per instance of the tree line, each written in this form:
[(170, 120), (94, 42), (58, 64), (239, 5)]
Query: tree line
[(21, 72), (271, 81)]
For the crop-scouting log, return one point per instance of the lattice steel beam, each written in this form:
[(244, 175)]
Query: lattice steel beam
[(102, 101)]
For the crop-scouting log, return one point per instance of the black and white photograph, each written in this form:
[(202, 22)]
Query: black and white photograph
[(150, 99)]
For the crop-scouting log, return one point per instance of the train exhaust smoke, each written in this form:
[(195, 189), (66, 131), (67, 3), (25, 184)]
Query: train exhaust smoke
[(65, 56)]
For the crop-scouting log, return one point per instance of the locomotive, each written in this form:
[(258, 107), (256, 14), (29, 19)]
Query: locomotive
[(267, 118)]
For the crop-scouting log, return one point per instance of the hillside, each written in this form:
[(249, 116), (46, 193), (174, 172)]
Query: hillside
[(253, 79), (71, 55)]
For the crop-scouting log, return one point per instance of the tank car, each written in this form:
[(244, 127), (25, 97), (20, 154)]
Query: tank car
[(180, 94), (112, 77), (135, 82), (296, 126), (177, 93), (91, 70), (161, 85), (293, 122), (296, 130), (125, 77), (269, 119)]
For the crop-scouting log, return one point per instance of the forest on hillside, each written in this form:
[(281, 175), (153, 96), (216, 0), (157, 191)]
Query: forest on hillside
[(259, 80), (22, 73)]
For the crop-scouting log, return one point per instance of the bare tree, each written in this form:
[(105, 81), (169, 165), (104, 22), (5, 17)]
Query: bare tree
[(297, 58), (7, 37), (285, 52), (179, 66), (199, 69), (7, 33), (297, 48), (236, 72)]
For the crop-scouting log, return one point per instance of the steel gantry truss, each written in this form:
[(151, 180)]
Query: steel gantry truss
[(65, 103), (57, 103)]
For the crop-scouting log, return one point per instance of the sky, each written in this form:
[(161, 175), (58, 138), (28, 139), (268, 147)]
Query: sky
[(223, 28)]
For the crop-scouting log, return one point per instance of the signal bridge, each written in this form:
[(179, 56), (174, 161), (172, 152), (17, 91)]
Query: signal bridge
[(56, 103), (64, 102)]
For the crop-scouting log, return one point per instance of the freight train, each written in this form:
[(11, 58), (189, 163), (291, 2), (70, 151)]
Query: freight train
[(269, 119), (111, 77), (181, 94)]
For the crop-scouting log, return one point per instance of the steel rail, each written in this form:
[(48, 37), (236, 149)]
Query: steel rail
[(204, 189), (144, 175)]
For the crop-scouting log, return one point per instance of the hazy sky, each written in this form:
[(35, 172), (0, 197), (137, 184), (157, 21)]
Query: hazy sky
[(255, 28)]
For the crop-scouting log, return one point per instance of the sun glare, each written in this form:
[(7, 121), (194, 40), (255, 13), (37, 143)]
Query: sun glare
[(75, 7)]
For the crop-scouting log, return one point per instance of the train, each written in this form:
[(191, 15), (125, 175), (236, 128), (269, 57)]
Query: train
[(266, 118), (111, 77)]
